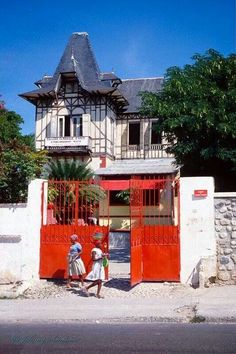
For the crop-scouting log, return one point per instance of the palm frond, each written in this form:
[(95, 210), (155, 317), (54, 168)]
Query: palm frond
[(68, 170)]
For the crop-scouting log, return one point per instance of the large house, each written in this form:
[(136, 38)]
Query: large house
[(94, 116), (83, 113)]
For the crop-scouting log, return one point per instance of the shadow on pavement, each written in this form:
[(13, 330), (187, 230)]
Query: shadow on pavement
[(119, 255), (57, 282), (122, 284)]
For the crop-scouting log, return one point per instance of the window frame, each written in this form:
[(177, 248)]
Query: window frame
[(155, 122), (62, 122), (133, 123)]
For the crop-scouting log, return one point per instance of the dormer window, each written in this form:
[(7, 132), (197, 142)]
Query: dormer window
[(71, 86)]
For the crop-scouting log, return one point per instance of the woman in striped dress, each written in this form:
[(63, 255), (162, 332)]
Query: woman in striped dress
[(75, 263)]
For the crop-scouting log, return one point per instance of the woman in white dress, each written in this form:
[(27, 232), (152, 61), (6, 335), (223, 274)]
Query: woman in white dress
[(97, 274)]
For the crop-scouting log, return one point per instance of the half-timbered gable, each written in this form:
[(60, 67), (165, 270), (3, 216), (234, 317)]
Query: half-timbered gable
[(76, 108)]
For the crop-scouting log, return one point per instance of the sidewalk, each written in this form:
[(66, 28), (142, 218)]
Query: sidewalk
[(161, 302)]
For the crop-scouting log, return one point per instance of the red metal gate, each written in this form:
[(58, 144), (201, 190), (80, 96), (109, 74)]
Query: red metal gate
[(69, 207), (155, 247), (136, 222)]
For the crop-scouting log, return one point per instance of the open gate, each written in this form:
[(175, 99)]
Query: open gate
[(69, 207), (73, 207), (136, 216), (155, 246)]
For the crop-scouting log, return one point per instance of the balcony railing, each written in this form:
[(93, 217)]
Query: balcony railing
[(153, 151), (70, 143)]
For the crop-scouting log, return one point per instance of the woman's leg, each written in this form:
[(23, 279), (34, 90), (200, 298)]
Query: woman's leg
[(94, 283), (99, 288), (68, 285), (81, 279)]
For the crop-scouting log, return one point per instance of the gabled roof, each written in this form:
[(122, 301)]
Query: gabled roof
[(78, 58), (130, 89)]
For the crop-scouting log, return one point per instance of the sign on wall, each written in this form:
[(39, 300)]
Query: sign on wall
[(200, 193)]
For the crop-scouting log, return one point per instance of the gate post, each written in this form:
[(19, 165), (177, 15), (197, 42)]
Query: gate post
[(31, 240), (197, 235)]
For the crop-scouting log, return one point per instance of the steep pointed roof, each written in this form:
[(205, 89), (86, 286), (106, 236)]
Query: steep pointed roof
[(78, 58)]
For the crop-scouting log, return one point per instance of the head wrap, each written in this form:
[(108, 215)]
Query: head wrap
[(98, 243), (74, 237)]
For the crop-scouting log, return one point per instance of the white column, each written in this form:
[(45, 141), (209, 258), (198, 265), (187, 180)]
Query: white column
[(197, 235), (31, 238)]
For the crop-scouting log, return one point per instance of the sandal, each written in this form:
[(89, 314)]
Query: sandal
[(85, 291), (99, 296)]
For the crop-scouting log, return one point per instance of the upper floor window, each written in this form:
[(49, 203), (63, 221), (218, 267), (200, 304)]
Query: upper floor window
[(156, 138), (134, 133), (77, 126), (70, 126)]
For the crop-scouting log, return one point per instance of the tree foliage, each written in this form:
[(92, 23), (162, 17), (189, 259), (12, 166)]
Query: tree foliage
[(19, 162), (197, 113), (65, 170)]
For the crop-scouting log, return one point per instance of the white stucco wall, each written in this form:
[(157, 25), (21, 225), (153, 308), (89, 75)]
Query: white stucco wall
[(197, 236), (12, 227), (20, 237), (20, 233)]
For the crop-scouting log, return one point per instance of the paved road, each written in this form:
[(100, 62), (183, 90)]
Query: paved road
[(69, 337), (119, 262)]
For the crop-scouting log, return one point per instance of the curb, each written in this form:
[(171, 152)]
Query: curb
[(119, 320)]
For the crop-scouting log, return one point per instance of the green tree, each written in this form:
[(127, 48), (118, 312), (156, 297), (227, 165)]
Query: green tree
[(19, 162), (197, 113), (9, 126)]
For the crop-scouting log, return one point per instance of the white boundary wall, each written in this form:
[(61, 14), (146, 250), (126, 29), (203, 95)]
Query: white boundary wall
[(20, 234), (197, 233), (20, 237)]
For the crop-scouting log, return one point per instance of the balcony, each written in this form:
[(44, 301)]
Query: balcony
[(82, 143), (152, 151)]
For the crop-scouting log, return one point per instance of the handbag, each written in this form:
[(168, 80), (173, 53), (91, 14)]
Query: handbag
[(105, 262)]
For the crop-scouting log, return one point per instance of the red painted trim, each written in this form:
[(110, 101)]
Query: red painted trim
[(102, 162), (113, 185)]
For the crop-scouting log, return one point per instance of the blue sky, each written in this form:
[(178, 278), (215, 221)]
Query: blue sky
[(133, 38)]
